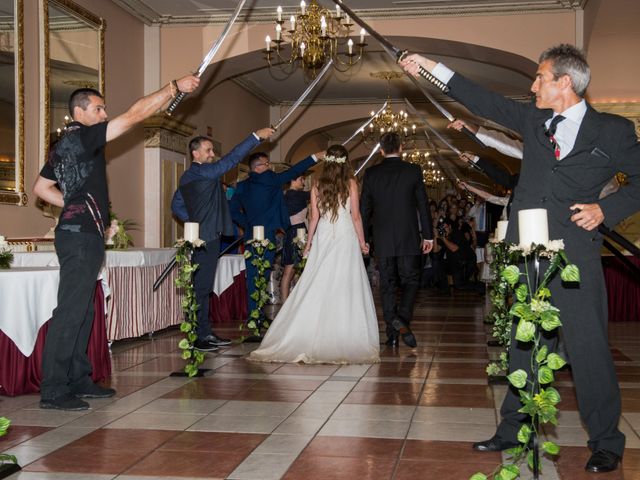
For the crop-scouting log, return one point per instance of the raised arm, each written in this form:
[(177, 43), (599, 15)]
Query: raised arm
[(313, 221), (355, 215), (147, 106)]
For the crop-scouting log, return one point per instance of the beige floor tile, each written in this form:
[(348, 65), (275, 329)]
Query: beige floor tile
[(45, 418), (456, 432), (156, 421), (96, 419), (284, 444), (300, 426), (182, 405), (332, 398), (239, 424), (485, 416), (314, 410), (336, 386), (58, 437), (365, 428), (259, 409), (264, 466), (374, 412)]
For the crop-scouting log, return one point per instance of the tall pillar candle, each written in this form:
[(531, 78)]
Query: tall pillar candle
[(191, 231), (258, 232), (501, 230), (533, 227), (300, 233)]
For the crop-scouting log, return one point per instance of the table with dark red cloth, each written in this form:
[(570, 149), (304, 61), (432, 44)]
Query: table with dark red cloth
[(20, 374), (623, 289), (229, 299)]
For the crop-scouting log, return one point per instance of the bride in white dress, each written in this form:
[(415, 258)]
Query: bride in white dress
[(329, 316)]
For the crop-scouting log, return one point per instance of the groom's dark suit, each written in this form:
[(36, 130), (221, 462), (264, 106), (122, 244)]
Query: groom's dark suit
[(605, 144), (393, 198)]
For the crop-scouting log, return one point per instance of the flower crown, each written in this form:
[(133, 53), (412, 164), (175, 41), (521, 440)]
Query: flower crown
[(333, 158)]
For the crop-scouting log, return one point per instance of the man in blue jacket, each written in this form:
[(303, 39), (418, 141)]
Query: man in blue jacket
[(259, 200), (200, 198)]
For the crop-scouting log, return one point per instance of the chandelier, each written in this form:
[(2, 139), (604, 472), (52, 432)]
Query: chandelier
[(431, 173), (314, 35), (389, 121)]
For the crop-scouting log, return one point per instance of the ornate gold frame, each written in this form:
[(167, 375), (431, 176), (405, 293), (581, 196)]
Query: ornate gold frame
[(18, 197), (76, 10)]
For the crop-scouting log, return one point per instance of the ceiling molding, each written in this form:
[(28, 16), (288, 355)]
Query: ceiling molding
[(402, 9)]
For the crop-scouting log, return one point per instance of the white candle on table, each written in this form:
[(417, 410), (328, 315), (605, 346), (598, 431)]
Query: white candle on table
[(501, 230), (300, 233), (258, 232), (533, 227), (191, 231)]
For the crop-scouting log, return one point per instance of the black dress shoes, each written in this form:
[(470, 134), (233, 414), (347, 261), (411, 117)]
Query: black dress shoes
[(217, 341), (67, 401), (494, 444), (392, 341), (94, 391), (602, 461), (405, 332)]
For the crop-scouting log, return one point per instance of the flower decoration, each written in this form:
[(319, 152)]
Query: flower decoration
[(256, 251), (334, 159), (6, 255), (299, 260)]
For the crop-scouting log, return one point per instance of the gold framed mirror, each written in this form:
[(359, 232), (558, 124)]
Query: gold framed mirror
[(12, 103), (71, 57)]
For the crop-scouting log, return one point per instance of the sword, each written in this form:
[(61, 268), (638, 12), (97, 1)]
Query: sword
[(209, 56), (373, 152), (365, 124), (324, 70), (397, 55)]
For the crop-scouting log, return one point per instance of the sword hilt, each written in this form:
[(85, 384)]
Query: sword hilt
[(176, 102), (423, 72)]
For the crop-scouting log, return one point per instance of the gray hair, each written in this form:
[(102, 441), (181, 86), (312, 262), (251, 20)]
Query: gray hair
[(569, 60)]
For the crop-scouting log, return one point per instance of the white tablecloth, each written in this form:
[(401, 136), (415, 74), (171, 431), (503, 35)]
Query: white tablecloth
[(143, 257), (229, 266), (27, 299)]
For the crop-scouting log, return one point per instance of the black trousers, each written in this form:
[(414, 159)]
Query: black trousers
[(65, 365), (398, 272), (207, 259), (583, 313)]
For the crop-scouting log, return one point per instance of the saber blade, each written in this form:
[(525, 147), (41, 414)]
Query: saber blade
[(210, 54), (304, 95), (373, 152), (423, 118), (364, 125)]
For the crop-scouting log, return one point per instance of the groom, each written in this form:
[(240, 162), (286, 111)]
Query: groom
[(393, 198)]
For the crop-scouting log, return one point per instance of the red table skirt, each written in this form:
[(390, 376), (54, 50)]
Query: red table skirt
[(623, 290), (232, 304), (20, 375)]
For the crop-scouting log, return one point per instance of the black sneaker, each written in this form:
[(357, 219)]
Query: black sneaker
[(94, 391), (204, 345), (217, 341), (68, 402)]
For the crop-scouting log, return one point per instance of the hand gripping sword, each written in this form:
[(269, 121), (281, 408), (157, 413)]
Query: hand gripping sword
[(209, 56), (397, 55), (304, 95)]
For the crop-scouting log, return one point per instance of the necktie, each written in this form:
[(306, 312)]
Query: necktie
[(551, 132)]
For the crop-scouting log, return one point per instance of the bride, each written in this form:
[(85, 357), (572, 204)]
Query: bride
[(329, 316)]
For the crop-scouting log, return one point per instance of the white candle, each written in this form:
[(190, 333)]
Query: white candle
[(350, 46), (303, 7), (191, 231), (267, 40), (362, 32), (278, 31), (279, 12), (258, 232), (501, 230), (292, 20), (347, 20), (323, 26), (300, 233), (533, 227), (338, 11), (302, 47)]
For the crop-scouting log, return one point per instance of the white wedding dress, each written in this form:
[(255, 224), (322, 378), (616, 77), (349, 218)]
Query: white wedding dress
[(329, 316)]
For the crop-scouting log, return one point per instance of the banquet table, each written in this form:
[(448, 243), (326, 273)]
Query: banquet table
[(623, 289), (28, 296), (229, 299)]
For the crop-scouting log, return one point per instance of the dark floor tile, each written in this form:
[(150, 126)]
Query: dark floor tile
[(420, 470), (392, 387), (356, 447), (447, 452), (18, 434), (383, 398), (311, 467), (124, 439), (221, 442), (190, 463)]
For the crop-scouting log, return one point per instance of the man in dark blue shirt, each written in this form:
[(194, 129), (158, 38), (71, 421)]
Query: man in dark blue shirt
[(200, 198)]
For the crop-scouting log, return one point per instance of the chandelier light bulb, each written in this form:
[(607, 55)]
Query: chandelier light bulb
[(278, 31), (362, 32), (302, 47), (323, 26), (292, 20), (279, 13), (268, 42), (303, 7), (350, 46), (337, 11)]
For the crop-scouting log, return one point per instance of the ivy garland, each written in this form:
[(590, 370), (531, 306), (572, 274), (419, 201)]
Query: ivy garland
[(535, 314), (500, 294), (255, 251), (189, 326), (299, 260), (5, 457)]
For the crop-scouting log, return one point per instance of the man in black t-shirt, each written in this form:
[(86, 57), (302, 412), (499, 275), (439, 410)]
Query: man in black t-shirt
[(74, 178)]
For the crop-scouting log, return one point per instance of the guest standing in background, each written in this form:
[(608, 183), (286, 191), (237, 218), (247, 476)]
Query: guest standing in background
[(297, 201), (75, 178), (201, 198)]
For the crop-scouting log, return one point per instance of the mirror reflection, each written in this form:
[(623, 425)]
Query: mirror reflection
[(11, 104)]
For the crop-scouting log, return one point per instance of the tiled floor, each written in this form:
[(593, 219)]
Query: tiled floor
[(412, 416)]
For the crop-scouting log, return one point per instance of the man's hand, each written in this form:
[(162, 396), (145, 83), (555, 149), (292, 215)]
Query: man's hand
[(460, 124), (427, 246), (410, 64), (589, 215), (265, 133), (467, 157), (320, 155), (188, 83)]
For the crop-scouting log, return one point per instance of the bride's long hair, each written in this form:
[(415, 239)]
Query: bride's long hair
[(333, 181)]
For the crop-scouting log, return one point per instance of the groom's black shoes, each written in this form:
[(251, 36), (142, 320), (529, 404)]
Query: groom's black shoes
[(405, 332), (602, 461), (494, 444)]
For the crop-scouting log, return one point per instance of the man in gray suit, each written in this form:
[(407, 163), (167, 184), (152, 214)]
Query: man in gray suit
[(570, 153)]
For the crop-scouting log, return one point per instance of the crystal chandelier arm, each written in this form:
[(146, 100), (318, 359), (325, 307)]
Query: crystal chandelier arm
[(364, 125), (304, 95)]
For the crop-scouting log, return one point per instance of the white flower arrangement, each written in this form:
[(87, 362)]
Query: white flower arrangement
[(264, 242), (551, 248), (196, 243), (334, 159)]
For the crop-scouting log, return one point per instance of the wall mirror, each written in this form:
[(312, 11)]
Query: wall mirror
[(71, 57), (11, 103)]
